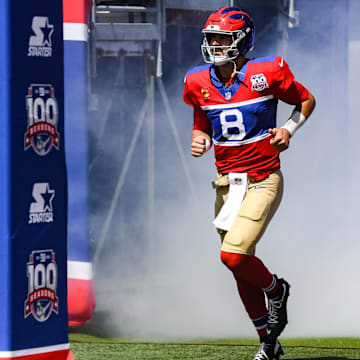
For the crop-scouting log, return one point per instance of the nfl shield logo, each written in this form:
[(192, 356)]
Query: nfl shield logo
[(228, 95)]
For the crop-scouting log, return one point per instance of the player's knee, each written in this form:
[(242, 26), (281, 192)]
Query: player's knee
[(231, 260)]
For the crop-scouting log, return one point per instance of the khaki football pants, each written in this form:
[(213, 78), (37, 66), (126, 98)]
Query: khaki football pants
[(258, 207)]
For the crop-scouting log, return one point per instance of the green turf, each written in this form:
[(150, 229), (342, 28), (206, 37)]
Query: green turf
[(88, 347)]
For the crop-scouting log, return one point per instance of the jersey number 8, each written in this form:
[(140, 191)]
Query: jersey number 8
[(232, 124)]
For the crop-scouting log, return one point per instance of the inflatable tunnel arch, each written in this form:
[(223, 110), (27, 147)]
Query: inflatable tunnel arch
[(81, 295)]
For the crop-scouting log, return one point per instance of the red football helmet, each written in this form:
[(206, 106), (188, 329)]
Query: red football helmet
[(228, 21)]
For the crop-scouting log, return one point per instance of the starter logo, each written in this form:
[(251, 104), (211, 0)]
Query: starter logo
[(41, 211), (42, 119), (42, 276), (259, 82), (40, 43)]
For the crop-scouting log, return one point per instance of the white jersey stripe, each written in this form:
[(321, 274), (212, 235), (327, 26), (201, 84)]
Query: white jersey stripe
[(239, 143), (235, 105)]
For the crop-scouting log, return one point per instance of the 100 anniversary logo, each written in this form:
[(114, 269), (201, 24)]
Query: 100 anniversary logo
[(42, 119), (42, 275)]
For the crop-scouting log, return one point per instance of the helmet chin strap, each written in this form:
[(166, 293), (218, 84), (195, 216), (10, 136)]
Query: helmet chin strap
[(235, 66), (235, 71)]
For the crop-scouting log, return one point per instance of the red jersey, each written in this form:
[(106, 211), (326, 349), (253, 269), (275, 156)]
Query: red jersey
[(239, 116)]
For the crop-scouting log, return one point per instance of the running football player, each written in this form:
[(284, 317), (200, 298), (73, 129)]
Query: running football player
[(235, 101)]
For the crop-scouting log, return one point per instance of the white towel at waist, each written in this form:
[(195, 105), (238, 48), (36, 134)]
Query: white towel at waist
[(238, 188)]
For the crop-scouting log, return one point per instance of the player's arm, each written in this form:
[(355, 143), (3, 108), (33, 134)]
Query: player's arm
[(200, 143), (202, 128), (281, 136), (287, 89)]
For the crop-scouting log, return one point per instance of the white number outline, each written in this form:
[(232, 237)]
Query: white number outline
[(238, 123)]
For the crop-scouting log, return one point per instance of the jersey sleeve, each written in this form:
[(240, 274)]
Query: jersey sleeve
[(284, 86), (201, 122), (188, 96)]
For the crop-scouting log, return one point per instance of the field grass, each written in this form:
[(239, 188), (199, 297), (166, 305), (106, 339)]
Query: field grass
[(88, 347)]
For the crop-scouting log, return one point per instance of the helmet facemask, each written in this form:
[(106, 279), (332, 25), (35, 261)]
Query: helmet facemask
[(232, 52)]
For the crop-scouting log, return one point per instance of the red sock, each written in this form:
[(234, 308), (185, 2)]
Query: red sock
[(252, 279), (254, 301), (249, 268), (273, 287)]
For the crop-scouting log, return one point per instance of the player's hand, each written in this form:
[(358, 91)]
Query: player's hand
[(280, 138), (198, 146)]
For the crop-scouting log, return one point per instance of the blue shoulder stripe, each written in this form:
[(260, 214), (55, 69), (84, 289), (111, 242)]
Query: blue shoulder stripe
[(263, 59), (198, 69)]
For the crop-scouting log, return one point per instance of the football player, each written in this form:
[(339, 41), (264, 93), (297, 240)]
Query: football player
[(235, 101)]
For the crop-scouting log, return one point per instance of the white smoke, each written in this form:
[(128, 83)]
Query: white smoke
[(184, 291)]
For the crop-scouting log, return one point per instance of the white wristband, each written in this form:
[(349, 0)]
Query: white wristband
[(296, 120), (207, 145)]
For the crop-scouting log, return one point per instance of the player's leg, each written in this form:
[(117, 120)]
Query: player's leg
[(250, 268), (252, 295), (268, 324), (253, 299), (257, 211), (254, 302), (258, 208)]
